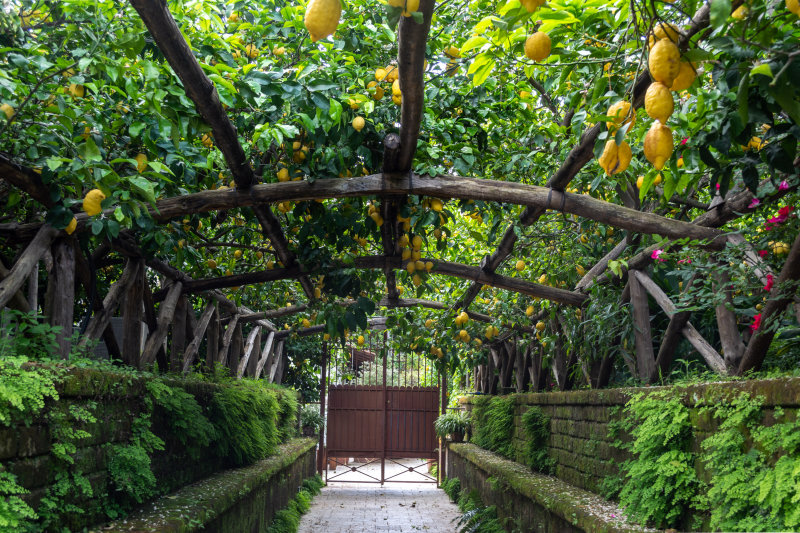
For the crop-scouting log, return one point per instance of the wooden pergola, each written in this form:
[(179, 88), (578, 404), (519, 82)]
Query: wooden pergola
[(261, 351)]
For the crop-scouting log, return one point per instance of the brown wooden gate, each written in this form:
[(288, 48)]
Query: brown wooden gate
[(380, 422)]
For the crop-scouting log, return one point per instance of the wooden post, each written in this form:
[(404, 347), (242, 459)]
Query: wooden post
[(21, 270), (61, 293), (102, 317), (165, 313), (235, 352), (212, 342), (729, 336), (152, 325), (178, 345), (249, 345), (252, 361), (197, 338), (33, 289), (645, 358), (226, 340), (266, 356), (277, 364), (132, 311), (18, 300), (322, 383)]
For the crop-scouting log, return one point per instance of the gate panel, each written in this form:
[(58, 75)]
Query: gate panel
[(410, 414), (355, 421)]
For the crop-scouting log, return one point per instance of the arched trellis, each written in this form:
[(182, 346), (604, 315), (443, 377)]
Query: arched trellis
[(391, 187)]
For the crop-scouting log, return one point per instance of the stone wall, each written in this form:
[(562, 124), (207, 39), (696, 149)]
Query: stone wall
[(242, 499), (579, 422), (115, 401)]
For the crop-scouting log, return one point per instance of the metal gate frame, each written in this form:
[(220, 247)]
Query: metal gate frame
[(383, 452)]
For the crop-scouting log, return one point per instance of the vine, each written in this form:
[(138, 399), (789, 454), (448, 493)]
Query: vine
[(536, 426), (493, 418)]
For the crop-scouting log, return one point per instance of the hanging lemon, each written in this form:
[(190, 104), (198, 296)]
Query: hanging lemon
[(658, 144), (532, 5), (141, 163), (358, 123), (91, 202), (620, 111), (537, 46), (664, 30), (664, 62), (685, 78), (615, 157), (410, 7), (322, 18), (73, 224), (658, 102)]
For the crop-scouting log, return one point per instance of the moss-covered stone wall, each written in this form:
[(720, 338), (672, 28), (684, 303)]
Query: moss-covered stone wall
[(579, 439), (241, 499), (115, 400)]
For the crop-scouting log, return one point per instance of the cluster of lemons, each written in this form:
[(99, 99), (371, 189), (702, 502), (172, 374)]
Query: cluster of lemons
[(670, 74), (538, 44)]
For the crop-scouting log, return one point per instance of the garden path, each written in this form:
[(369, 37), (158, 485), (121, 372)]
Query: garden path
[(347, 507)]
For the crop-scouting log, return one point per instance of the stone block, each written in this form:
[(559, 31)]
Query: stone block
[(8, 443), (32, 441)]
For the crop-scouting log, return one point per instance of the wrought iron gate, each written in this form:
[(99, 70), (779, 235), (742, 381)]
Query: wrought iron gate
[(380, 419)]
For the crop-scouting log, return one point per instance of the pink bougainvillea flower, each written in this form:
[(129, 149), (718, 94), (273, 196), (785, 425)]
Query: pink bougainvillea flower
[(756, 323), (755, 202), (657, 255), (763, 253), (783, 186), (717, 186), (686, 261), (770, 282), (684, 141), (784, 212)]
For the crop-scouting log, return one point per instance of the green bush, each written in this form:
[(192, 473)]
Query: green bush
[(244, 416), (287, 520), (310, 418), (476, 518), (286, 421), (184, 416), (452, 423), (536, 426), (452, 487), (493, 424)]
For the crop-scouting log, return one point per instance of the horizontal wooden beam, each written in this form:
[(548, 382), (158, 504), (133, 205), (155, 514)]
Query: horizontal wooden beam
[(440, 186), (25, 179)]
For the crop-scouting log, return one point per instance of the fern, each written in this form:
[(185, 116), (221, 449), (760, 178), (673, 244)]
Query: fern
[(536, 426), (493, 418)]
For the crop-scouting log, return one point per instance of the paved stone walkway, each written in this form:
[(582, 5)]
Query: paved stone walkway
[(344, 507)]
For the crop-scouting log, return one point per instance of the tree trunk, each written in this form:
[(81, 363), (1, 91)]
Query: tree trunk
[(156, 338), (197, 337), (178, 344), (645, 358), (61, 293), (132, 312)]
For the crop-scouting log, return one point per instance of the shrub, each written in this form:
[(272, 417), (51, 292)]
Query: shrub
[(493, 421), (452, 487), (310, 418), (536, 426), (244, 417), (452, 423)]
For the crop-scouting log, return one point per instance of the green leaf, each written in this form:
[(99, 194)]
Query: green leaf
[(335, 111), (141, 185), (89, 151), (763, 69), (720, 11), (741, 98), (473, 42)]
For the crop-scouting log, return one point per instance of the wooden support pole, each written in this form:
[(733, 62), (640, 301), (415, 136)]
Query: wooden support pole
[(759, 344), (731, 340), (276, 373), (152, 324), (711, 356), (227, 340), (18, 300), (645, 358), (265, 361), (156, 338), (33, 288), (178, 341), (61, 293), (249, 345), (132, 313), (199, 332), (102, 317), (22, 269), (252, 362), (235, 352), (212, 342)]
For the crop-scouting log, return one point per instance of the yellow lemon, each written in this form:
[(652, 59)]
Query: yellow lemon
[(685, 78), (410, 267), (664, 62), (8, 110), (793, 6), (639, 182), (542, 279), (437, 205), (207, 140), (540, 326), (416, 280), (375, 90), (451, 69), (237, 254), (620, 111), (615, 157), (452, 52), (429, 323), (234, 17), (523, 95), (532, 5), (740, 12), (283, 174), (410, 7), (396, 88), (428, 265), (657, 180), (322, 18), (520, 266), (211, 264), (529, 311), (360, 340), (580, 270), (91, 202), (141, 162), (398, 100), (416, 242), (537, 46), (71, 226), (419, 265), (658, 102), (278, 50), (358, 123), (380, 74), (391, 73), (664, 30), (77, 91), (251, 51), (658, 144)]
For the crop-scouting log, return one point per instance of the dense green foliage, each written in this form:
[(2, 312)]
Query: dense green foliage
[(493, 424), (452, 487), (311, 419), (750, 464), (286, 520), (536, 428)]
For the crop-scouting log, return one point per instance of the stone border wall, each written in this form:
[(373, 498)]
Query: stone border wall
[(241, 499), (579, 422), (527, 501)]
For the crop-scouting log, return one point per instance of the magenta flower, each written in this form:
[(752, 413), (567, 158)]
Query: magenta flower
[(684, 141), (770, 282), (783, 186), (755, 202), (763, 253), (756, 323), (657, 255), (717, 186), (686, 261)]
